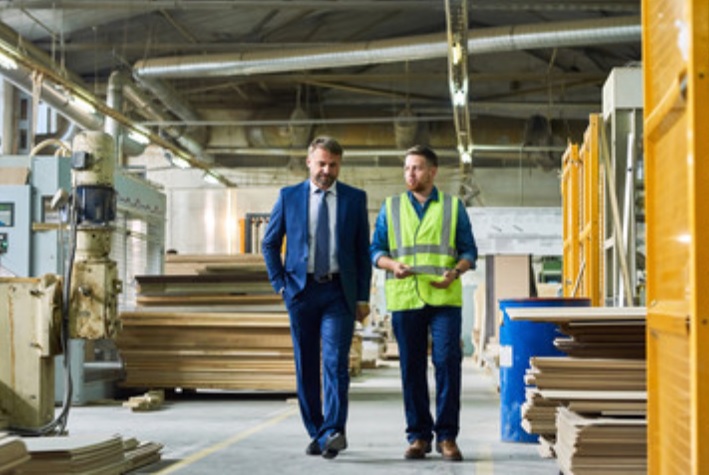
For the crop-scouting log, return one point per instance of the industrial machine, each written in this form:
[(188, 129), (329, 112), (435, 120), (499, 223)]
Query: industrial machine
[(39, 316)]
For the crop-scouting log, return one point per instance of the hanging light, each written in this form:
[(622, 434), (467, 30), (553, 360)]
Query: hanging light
[(7, 62), (209, 178)]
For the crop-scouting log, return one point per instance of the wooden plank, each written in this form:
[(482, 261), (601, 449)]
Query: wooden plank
[(210, 299), (567, 314), (571, 395)]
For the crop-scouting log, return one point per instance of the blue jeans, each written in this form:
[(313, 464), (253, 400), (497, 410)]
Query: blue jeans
[(320, 315), (411, 328)]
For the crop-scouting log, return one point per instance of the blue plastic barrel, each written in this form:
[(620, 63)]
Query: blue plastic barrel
[(520, 340)]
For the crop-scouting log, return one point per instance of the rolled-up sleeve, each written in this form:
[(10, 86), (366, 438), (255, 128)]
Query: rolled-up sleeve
[(380, 241), (465, 241)]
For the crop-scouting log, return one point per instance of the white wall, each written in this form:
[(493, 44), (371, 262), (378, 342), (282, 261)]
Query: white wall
[(203, 218)]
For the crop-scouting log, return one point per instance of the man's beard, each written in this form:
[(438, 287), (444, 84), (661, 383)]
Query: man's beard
[(325, 181), (415, 187)]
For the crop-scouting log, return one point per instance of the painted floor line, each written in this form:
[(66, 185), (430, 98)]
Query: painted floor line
[(230, 441)]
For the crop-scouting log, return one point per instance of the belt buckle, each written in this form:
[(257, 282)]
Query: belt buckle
[(323, 279)]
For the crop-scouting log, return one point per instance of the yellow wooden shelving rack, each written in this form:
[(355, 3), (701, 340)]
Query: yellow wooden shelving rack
[(676, 116), (582, 194)]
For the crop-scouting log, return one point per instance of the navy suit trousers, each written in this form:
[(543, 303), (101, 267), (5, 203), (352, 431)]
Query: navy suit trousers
[(320, 314)]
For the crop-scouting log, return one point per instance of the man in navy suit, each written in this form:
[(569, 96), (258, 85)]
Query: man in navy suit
[(325, 284)]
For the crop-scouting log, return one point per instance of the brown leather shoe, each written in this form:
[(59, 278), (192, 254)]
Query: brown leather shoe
[(449, 450), (418, 450)]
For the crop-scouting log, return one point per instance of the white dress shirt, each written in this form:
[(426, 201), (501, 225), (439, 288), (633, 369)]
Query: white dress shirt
[(314, 203)]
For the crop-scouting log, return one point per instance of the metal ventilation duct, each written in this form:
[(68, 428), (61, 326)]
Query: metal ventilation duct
[(21, 77), (490, 40)]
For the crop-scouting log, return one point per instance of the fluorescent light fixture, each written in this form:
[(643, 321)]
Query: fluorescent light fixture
[(7, 62), (209, 178), (466, 155), (140, 135), (456, 53), (180, 162)]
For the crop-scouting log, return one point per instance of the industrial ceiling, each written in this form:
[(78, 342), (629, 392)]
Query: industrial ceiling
[(242, 83)]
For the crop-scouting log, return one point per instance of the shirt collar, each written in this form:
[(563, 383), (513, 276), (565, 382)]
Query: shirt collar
[(432, 197), (332, 189)]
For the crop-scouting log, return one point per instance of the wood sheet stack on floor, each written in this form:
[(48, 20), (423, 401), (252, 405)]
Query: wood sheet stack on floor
[(140, 454), (193, 264), (539, 415), (198, 280), (586, 374), (220, 327), (555, 382), (236, 351), (604, 380), (13, 453), (87, 455), (594, 445), (75, 455)]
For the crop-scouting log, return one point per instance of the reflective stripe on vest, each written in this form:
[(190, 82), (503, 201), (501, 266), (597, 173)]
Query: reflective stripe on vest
[(428, 247)]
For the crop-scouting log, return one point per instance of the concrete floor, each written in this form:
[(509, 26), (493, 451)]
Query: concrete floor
[(218, 433)]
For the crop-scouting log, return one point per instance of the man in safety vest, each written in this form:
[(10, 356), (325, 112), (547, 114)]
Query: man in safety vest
[(424, 240)]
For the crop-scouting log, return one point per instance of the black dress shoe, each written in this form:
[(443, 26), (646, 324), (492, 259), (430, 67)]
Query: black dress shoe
[(313, 448), (334, 444)]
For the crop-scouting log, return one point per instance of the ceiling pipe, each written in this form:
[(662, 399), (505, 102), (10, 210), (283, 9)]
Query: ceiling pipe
[(63, 101), (59, 100), (193, 140), (484, 156), (189, 140), (392, 152), (63, 94), (613, 30)]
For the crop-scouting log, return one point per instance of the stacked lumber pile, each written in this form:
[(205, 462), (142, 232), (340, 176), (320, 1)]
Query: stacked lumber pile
[(590, 408), (140, 454), (554, 382), (87, 455), (592, 374), (355, 362), (217, 325), (200, 350), (13, 453), (590, 445), (194, 264), (199, 280)]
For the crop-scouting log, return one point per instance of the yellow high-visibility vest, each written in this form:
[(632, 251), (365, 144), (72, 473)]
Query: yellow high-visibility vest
[(428, 246)]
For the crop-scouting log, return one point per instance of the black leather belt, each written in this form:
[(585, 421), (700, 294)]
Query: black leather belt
[(325, 278)]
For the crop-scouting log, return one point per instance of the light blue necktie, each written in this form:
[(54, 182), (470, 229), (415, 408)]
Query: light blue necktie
[(322, 239)]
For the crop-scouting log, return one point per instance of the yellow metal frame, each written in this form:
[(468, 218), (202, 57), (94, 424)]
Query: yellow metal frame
[(676, 94)]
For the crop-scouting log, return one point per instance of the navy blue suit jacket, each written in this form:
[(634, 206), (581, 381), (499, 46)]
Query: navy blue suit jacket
[(290, 218)]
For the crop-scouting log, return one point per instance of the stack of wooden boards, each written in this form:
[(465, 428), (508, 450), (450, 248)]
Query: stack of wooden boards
[(75, 455), (590, 408), (217, 324), (13, 453)]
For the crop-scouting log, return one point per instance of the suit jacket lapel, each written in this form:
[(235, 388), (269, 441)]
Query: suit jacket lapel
[(342, 203), (304, 201)]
